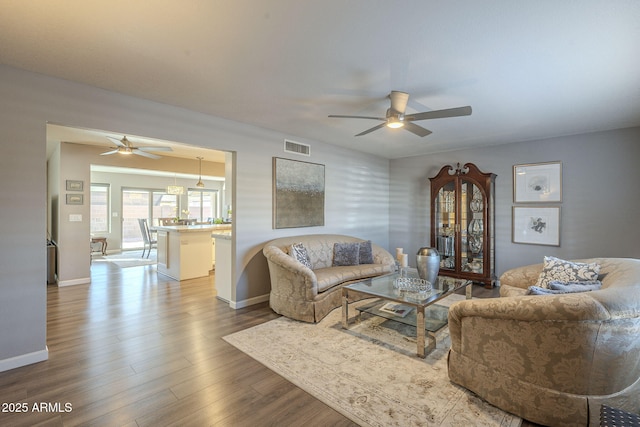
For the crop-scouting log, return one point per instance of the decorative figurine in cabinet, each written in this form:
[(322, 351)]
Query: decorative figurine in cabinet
[(462, 222)]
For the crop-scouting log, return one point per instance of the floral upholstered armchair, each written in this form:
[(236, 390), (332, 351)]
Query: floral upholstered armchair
[(552, 359)]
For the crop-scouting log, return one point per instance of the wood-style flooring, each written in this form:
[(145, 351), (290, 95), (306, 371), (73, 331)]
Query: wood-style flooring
[(135, 348)]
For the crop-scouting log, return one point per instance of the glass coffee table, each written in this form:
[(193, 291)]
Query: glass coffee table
[(421, 311)]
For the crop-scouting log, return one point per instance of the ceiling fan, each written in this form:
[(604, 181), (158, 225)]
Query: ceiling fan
[(396, 117), (124, 146)]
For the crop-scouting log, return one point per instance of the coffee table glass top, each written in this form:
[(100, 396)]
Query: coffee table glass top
[(382, 286)]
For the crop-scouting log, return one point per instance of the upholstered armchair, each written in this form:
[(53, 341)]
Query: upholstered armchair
[(552, 359)]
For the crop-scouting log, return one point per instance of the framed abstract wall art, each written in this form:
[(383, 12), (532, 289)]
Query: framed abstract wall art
[(541, 182), (536, 225), (298, 193)]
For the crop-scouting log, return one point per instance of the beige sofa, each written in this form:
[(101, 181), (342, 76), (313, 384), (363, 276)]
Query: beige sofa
[(309, 294), (552, 359)]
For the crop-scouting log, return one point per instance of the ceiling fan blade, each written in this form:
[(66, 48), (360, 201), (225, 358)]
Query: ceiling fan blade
[(154, 148), (440, 114), (118, 142), (110, 152), (381, 125), (399, 101), (145, 154), (418, 130), (356, 117)]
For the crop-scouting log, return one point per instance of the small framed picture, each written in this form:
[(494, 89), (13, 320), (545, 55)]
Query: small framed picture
[(73, 185), (536, 226), (75, 199), (540, 182)]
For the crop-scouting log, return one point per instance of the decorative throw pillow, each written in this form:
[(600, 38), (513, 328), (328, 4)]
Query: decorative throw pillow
[(300, 254), (346, 254), (536, 290), (555, 269), (560, 288), (366, 252), (575, 286)]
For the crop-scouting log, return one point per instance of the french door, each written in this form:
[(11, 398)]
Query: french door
[(203, 204), (150, 204)]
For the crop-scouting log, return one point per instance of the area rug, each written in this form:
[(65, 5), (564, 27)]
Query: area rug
[(370, 372), (129, 259)]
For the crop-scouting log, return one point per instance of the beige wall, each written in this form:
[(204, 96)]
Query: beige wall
[(72, 236)]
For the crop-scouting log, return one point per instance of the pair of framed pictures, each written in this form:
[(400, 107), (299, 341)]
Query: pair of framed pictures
[(539, 183), (75, 198)]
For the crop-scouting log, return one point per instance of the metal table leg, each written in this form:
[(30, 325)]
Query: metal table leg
[(420, 332), (345, 309)]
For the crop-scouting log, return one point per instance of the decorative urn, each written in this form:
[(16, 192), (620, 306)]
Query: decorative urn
[(428, 264)]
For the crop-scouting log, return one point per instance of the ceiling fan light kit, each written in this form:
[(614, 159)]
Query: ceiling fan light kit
[(396, 122), (396, 116)]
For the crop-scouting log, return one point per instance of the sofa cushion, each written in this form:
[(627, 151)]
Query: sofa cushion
[(555, 269), (345, 254), (331, 276), (300, 254)]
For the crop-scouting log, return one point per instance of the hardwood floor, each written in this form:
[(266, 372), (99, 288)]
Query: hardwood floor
[(137, 349)]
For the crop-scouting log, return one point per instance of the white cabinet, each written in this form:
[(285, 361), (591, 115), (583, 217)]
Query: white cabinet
[(223, 268)]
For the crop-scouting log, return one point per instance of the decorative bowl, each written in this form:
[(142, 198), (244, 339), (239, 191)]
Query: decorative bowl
[(412, 284)]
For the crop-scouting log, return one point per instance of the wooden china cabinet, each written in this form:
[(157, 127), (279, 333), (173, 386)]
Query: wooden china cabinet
[(463, 222)]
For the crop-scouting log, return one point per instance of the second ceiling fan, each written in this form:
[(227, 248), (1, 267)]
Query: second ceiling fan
[(124, 146), (396, 117)]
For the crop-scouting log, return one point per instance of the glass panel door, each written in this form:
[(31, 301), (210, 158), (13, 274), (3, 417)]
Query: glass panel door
[(148, 204), (203, 204), (445, 214), (472, 227), (135, 204), (164, 206)]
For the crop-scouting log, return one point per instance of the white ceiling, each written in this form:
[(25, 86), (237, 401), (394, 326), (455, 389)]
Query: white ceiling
[(529, 69)]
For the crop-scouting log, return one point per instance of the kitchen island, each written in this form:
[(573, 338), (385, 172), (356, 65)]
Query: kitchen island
[(186, 251)]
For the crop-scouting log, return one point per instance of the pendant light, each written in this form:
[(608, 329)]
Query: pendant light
[(200, 184)]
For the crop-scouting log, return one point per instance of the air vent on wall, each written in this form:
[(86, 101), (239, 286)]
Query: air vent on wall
[(297, 148)]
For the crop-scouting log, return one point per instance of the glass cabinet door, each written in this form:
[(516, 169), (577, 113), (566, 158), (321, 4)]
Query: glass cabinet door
[(471, 227), (445, 214)]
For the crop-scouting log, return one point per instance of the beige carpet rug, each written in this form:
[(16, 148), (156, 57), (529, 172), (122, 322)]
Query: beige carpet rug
[(129, 259), (369, 373)]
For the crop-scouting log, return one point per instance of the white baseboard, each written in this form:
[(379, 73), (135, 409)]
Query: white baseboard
[(24, 359), (247, 302), (82, 281)]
